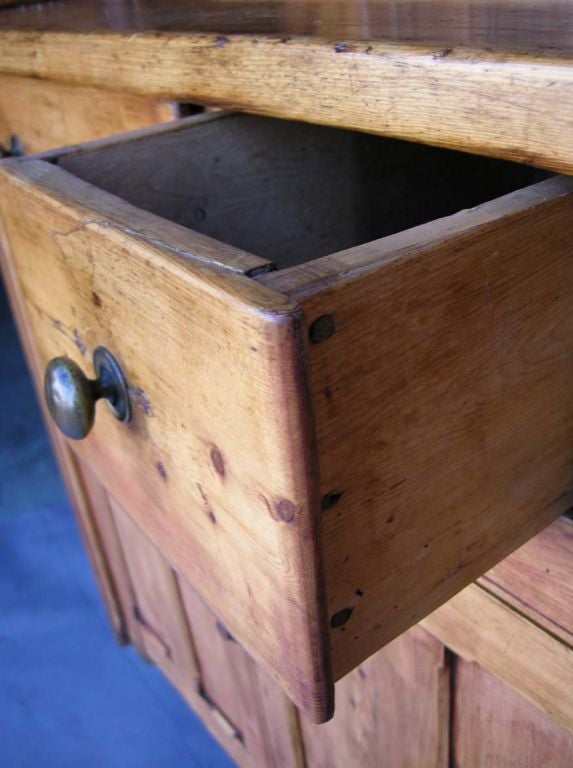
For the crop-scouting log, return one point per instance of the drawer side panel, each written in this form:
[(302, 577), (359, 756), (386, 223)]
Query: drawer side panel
[(444, 410)]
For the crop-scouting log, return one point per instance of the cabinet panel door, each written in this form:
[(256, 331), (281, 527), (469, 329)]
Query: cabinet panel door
[(158, 607), (393, 710), (495, 727), (228, 677)]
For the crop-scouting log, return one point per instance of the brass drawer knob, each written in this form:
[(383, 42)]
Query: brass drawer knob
[(71, 396)]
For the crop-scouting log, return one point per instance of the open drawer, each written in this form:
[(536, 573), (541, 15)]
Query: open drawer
[(349, 362)]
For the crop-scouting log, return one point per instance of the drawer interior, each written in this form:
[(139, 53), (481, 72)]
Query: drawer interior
[(291, 192)]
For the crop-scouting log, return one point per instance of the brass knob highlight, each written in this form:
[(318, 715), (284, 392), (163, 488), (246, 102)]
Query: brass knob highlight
[(71, 396)]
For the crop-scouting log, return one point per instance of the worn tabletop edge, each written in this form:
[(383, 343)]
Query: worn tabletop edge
[(477, 100), (349, 45)]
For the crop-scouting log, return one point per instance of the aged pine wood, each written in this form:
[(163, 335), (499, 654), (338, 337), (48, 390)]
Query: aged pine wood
[(158, 607), (442, 405), (479, 626), (167, 638), (497, 728), (393, 710), (522, 24), (538, 579), (228, 677), (480, 77), (192, 246), (81, 501), (519, 25), (239, 524), (41, 113), (286, 191), (109, 542), (283, 731), (45, 114)]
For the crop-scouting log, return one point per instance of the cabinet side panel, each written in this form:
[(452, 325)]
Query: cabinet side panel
[(228, 678)]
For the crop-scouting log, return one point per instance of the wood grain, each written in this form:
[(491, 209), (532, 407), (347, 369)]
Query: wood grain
[(282, 723), (497, 728), (480, 627), (165, 633), (78, 493), (273, 187), (158, 607), (44, 114), (228, 677), (442, 405), (227, 674), (107, 538), (393, 710), (537, 579), (482, 98), (238, 523), (495, 24)]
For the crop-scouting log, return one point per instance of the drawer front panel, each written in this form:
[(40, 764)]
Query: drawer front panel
[(45, 114), (214, 465)]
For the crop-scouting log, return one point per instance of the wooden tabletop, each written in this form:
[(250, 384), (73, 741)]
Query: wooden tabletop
[(488, 76)]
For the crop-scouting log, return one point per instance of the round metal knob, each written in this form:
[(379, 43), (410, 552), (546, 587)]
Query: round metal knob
[(71, 396)]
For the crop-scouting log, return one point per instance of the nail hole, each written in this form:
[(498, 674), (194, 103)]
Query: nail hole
[(321, 329), (340, 618), (223, 631), (330, 499)]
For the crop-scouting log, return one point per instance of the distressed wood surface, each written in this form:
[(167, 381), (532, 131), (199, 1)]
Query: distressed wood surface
[(168, 632), (44, 114), (273, 187), (537, 579), (257, 712), (158, 607), (283, 720), (392, 710), (496, 24), (108, 540), (494, 727), (442, 404), (480, 627), (482, 77), (269, 187), (239, 524), (228, 676), (77, 491)]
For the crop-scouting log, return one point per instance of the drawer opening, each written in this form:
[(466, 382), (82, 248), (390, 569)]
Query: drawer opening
[(291, 192)]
